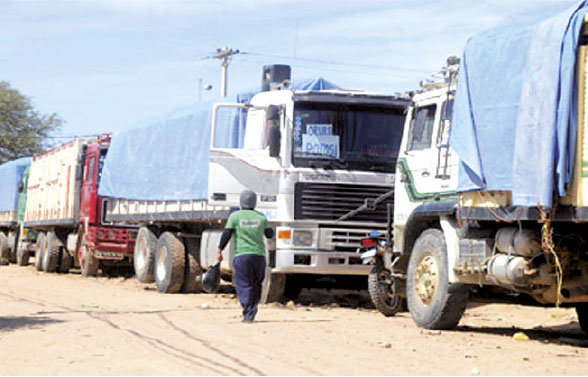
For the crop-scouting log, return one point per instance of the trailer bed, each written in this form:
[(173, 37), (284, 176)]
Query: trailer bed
[(140, 211)]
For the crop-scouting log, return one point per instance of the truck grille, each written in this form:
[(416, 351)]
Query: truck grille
[(323, 201), (346, 240)]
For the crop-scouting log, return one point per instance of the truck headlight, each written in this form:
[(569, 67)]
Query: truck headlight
[(302, 238), (299, 238)]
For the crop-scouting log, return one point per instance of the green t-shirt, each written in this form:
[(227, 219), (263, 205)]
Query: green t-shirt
[(249, 227)]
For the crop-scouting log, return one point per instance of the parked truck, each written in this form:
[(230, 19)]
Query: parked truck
[(491, 182), (64, 207), (316, 159), (16, 241)]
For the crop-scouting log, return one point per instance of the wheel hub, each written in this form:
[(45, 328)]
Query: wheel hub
[(426, 279), (161, 263), (386, 285)]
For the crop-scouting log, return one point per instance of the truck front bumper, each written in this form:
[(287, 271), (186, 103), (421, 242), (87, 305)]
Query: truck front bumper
[(318, 262)]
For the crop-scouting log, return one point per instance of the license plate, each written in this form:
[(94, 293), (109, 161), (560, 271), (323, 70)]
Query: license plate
[(108, 255)]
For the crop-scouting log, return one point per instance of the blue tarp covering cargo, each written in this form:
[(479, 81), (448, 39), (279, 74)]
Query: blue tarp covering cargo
[(10, 177), (168, 159), (514, 123)]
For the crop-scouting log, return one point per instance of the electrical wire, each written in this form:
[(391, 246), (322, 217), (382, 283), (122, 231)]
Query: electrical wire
[(330, 62), (45, 137), (549, 247)]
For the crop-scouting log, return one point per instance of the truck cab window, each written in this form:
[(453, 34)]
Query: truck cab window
[(90, 171), (421, 130), (256, 130), (101, 164)]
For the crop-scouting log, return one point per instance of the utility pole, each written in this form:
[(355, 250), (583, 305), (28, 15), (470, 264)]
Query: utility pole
[(224, 55)]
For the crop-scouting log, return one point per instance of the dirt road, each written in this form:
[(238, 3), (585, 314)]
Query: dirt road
[(65, 324)]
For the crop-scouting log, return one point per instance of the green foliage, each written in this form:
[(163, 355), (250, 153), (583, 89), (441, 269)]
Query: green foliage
[(23, 130)]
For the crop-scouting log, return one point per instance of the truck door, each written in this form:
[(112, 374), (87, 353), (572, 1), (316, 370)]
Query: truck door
[(89, 187), (246, 164), (417, 163)]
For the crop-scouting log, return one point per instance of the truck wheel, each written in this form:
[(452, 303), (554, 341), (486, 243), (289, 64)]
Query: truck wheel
[(433, 302), (88, 264), (381, 290), (274, 287), (11, 241), (193, 269), (170, 263), (39, 248), (65, 262), (51, 253), (4, 251), (22, 256), (293, 288), (144, 255), (582, 312)]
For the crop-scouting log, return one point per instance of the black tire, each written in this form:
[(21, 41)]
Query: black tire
[(170, 263), (65, 262), (39, 249), (22, 256), (582, 312), (381, 290), (51, 254), (193, 269), (293, 287), (89, 265), (144, 255), (274, 287), (4, 250), (433, 302)]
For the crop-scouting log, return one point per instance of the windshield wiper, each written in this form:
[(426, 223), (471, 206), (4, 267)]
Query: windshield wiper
[(379, 165), (324, 165)]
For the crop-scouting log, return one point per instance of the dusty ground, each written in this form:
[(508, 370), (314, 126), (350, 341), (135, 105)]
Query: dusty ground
[(64, 324)]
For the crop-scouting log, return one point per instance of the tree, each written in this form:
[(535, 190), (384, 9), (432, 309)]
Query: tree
[(23, 130)]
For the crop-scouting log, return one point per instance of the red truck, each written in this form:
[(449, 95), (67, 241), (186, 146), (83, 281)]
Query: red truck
[(64, 206)]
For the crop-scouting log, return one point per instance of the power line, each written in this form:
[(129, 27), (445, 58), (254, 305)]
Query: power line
[(338, 69), (330, 62), (45, 137)]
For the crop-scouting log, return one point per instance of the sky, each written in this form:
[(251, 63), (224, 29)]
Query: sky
[(106, 65)]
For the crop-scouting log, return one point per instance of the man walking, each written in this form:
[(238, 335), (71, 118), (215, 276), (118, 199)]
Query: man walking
[(249, 227)]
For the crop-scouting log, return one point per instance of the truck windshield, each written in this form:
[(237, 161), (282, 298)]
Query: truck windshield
[(354, 137)]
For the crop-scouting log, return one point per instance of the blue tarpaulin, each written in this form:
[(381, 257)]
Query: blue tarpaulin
[(514, 121), (10, 177), (168, 158)]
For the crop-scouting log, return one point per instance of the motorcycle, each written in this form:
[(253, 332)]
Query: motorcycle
[(386, 292)]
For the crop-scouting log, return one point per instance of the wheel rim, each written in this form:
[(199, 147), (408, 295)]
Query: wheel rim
[(385, 285), (45, 254), (426, 279), (141, 254), (161, 263)]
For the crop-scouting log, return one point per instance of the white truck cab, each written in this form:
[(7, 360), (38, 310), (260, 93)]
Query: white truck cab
[(332, 154)]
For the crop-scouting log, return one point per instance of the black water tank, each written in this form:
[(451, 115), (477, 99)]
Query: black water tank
[(274, 74)]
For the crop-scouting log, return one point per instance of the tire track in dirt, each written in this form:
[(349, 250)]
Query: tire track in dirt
[(158, 344), (207, 344), (187, 334), (167, 348)]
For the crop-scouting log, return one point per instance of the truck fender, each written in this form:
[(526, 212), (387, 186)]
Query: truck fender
[(423, 217), (452, 242)]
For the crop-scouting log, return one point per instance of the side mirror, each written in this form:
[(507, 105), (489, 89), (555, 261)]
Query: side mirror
[(275, 137), (273, 113), (20, 186)]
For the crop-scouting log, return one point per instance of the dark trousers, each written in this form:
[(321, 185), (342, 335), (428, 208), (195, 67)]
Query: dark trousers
[(248, 277)]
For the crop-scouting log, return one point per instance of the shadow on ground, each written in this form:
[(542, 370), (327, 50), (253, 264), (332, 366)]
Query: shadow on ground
[(335, 297), (569, 333), (15, 323)]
